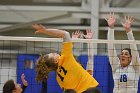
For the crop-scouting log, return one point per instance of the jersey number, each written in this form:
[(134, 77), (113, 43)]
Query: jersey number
[(62, 70), (123, 78)]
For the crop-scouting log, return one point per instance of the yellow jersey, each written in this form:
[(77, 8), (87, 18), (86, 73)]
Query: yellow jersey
[(70, 74)]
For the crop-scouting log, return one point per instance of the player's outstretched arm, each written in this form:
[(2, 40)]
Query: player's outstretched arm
[(52, 32), (129, 20), (113, 59), (90, 63)]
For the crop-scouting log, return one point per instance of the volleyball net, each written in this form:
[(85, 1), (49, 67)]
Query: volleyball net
[(19, 54)]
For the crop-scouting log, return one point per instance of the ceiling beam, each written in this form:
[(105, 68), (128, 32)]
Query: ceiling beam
[(40, 8), (30, 23), (120, 10), (65, 8), (115, 3)]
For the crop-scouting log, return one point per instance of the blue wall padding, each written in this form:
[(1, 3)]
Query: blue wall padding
[(102, 73), (33, 86), (53, 86)]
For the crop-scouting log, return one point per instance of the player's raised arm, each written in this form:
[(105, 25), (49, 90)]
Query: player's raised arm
[(134, 51), (52, 32), (90, 63), (114, 60)]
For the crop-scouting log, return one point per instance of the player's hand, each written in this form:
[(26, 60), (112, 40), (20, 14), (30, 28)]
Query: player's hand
[(76, 34), (89, 34), (111, 20), (90, 72), (128, 22), (39, 28), (25, 83)]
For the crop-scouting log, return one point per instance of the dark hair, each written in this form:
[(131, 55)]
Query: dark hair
[(69, 91), (92, 90), (9, 86), (129, 50), (44, 65)]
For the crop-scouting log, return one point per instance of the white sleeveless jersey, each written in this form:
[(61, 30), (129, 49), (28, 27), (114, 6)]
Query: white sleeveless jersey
[(125, 78)]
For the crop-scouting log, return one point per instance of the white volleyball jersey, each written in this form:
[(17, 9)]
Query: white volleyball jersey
[(125, 78)]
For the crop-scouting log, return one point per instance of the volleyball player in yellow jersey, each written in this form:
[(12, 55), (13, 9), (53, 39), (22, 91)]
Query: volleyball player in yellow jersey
[(70, 74)]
